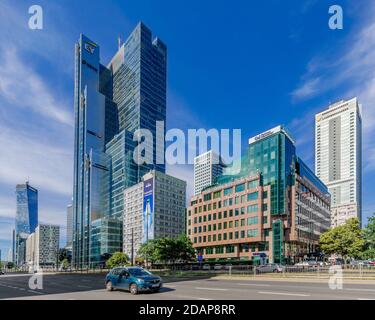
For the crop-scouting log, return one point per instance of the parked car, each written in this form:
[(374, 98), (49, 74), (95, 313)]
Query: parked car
[(302, 264), (206, 267), (271, 267), (218, 267), (133, 279), (228, 266), (2, 272)]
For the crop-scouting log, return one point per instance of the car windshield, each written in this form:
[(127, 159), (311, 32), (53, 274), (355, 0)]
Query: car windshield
[(138, 272)]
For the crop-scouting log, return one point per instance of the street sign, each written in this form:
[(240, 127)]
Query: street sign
[(200, 257)]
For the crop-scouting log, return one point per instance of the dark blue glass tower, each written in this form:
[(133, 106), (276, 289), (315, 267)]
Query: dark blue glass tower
[(26, 218)]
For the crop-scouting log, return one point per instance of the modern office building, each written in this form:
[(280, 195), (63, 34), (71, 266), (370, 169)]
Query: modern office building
[(338, 157), (274, 210), (154, 208), (42, 246), (10, 255), (207, 166), (111, 103), (14, 246), (69, 226), (26, 219)]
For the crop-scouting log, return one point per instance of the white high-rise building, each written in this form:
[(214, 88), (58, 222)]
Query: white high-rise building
[(207, 166), (42, 246), (154, 208), (338, 157)]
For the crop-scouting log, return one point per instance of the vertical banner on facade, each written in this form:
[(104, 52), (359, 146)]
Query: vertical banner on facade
[(148, 210)]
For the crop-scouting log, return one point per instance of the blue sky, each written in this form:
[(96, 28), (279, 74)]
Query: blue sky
[(242, 64)]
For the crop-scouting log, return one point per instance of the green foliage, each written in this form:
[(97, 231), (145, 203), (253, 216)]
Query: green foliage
[(167, 250), (65, 263), (345, 240), (10, 265), (118, 259), (369, 237)]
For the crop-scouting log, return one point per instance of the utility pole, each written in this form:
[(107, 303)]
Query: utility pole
[(132, 254)]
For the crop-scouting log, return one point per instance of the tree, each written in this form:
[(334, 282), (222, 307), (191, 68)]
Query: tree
[(369, 238), (63, 254), (167, 250), (65, 263), (185, 249), (147, 251), (345, 240), (10, 265), (118, 259)]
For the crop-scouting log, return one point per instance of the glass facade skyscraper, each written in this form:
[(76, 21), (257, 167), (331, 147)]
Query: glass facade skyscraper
[(26, 218), (111, 103)]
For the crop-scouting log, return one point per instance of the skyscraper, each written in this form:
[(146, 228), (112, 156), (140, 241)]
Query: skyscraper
[(338, 157), (111, 103), (69, 226), (26, 218), (207, 166)]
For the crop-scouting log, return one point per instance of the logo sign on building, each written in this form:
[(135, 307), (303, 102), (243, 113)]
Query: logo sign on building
[(148, 210), (90, 47), (265, 134)]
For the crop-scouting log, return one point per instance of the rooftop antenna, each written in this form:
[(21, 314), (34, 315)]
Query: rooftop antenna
[(119, 42)]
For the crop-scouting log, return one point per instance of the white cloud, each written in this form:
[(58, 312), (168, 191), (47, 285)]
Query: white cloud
[(349, 70), (46, 165), (23, 88), (308, 89)]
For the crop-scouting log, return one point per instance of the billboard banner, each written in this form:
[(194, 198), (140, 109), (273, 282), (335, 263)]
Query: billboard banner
[(148, 210)]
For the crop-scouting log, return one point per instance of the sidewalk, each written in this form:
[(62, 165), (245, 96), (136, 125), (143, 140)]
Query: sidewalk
[(294, 278)]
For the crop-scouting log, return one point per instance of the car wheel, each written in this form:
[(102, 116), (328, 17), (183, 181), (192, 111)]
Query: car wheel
[(133, 289), (109, 286)]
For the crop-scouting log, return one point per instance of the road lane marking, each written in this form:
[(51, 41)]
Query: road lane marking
[(359, 289), (284, 293), (253, 284), (213, 289), (191, 297), (33, 291)]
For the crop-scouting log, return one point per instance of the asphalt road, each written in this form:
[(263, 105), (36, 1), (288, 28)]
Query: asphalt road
[(91, 287)]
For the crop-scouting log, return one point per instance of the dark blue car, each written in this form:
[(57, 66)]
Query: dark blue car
[(133, 279)]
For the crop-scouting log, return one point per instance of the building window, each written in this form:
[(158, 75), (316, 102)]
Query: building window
[(228, 191), (252, 184), (240, 187), (252, 221), (252, 196), (251, 233)]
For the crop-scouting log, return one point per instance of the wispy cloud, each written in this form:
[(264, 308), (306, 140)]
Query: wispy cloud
[(348, 71), (36, 116), (23, 88), (308, 89)]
